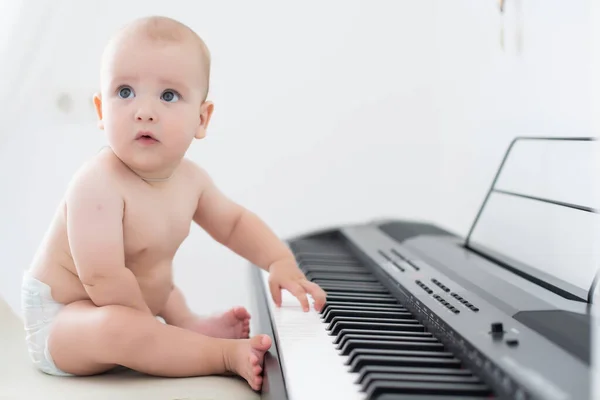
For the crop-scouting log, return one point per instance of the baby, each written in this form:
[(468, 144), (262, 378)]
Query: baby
[(103, 273)]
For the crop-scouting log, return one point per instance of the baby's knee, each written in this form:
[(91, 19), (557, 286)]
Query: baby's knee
[(121, 325)]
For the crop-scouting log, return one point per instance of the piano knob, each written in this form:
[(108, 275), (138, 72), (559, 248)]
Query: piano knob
[(497, 328)]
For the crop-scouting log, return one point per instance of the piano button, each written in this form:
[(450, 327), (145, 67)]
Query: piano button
[(370, 359), (353, 344), (384, 333), (352, 355), (458, 389), (384, 326), (395, 338), (386, 369)]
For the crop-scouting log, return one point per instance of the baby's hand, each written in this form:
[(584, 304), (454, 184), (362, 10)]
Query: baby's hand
[(287, 275)]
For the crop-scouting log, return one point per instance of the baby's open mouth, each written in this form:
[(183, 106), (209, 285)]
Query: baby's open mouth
[(145, 137)]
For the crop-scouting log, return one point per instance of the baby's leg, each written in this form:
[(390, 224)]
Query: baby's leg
[(86, 340)]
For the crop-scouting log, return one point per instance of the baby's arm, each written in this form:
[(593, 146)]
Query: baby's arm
[(95, 230), (246, 234), (237, 228)]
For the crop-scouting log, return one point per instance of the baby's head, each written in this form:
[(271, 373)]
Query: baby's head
[(154, 81)]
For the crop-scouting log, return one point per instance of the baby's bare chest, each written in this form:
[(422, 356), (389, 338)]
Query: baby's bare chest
[(156, 225)]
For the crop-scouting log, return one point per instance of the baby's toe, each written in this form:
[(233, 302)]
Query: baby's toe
[(261, 342), (257, 383), (241, 313)]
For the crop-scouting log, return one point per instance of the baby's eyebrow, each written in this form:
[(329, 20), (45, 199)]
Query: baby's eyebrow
[(123, 79), (173, 83)]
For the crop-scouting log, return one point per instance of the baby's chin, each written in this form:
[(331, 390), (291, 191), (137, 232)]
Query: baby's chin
[(146, 162)]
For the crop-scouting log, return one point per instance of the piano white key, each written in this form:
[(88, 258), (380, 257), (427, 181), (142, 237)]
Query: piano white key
[(312, 367)]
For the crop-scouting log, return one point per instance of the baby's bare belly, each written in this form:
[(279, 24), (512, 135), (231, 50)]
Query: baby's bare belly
[(153, 275)]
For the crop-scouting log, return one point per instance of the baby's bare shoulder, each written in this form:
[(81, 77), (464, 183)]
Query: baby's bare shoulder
[(195, 175), (101, 173)]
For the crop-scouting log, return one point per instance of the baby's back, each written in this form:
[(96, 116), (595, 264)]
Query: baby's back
[(156, 219)]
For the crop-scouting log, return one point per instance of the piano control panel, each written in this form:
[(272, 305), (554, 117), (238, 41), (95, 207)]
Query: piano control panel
[(513, 358)]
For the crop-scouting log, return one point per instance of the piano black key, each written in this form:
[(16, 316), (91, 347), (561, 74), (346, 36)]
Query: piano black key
[(383, 326), (341, 288), (364, 360), (346, 277), (335, 268), (392, 369), (398, 337), (421, 335), (355, 285), (353, 344), (382, 299), (371, 378), (399, 387), (330, 308), (404, 396), (325, 259), (397, 353), (337, 321), (349, 284), (353, 306), (390, 314)]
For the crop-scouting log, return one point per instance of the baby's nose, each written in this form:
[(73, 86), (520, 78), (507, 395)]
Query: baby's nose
[(145, 117), (145, 113)]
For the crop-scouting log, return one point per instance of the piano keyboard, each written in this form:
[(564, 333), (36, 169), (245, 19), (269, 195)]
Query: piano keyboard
[(364, 344)]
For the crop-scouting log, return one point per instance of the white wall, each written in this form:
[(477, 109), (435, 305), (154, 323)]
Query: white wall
[(326, 113)]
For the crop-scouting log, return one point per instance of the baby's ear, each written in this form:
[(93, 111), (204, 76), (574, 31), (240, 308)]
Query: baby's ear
[(98, 107), (206, 111)]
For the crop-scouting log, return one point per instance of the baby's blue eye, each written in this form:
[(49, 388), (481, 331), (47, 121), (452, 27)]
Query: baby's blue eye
[(170, 96), (125, 92)]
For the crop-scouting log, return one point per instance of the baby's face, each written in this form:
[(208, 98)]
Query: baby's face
[(151, 104)]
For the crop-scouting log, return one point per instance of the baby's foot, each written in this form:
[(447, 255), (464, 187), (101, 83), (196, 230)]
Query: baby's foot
[(246, 359), (233, 324)]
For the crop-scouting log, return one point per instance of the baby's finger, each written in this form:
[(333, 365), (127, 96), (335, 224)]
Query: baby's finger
[(298, 291), (275, 293), (317, 294)]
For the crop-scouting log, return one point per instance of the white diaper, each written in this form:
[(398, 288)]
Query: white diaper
[(39, 310)]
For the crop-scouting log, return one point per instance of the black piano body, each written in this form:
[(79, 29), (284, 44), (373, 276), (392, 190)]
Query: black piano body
[(518, 330)]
